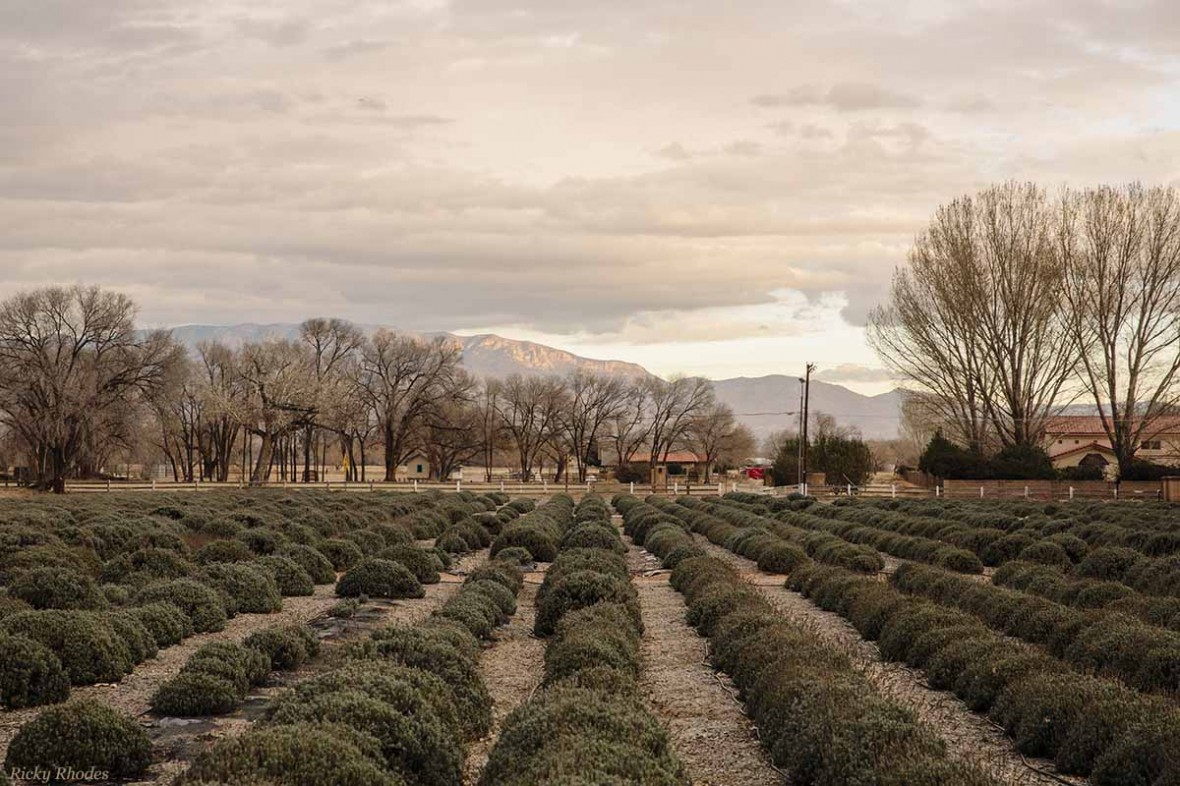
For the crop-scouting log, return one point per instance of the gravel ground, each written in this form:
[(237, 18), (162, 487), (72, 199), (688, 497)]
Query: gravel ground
[(711, 734), (175, 738), (969, 736), (512, 668)]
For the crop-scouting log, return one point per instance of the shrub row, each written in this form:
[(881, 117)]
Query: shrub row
[(587, 723), (817, 715), (1087, 725), (1083, 593), (660, 532), (992, 545), (400, 710), (1143, 656), (582, 576), (910, 547), (43, 652), (819, 546), (217, 677), (538, 530), (1150, 528)]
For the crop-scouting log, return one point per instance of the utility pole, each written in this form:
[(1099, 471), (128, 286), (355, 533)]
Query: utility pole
[(799, 440), (806, 405)]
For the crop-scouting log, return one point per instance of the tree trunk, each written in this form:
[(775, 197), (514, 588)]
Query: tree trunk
[(390, 458), (57, 464), (265, 455)]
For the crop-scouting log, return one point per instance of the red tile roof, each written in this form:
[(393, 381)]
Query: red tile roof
[(1091, 425), (674, 457)]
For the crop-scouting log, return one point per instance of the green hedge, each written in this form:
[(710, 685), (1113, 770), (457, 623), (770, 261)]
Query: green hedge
[(379, 578), (587, 723), (1084, 723), (819, 717), (30, 674), (1141, 655), (83, 736)]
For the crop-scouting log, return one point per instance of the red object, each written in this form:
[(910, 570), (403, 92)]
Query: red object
[(755, 473)]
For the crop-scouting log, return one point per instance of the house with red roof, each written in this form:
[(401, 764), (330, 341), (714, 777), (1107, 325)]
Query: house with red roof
[(1081, 441)]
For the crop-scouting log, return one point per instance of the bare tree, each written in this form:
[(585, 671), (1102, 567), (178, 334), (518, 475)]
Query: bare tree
[(334, 344), (674, 404), (629, 427), (280, 396), (401, 376), (978, 323), (71, 363), (492, 434), (221, 393), (177, 408), (594, 400), (530, 409), (1121, 248), (714, 432)]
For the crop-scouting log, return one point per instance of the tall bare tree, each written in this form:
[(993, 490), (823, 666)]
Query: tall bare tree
[(629, 427), (280, 396), (1121, 248), (71, 363), (334, 344), (530, 410), (978, 322), (594, 399), (673, 406), (491, 425), (221, 392), (401, 377)]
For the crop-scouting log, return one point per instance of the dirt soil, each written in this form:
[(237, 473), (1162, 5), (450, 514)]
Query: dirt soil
[(176, 740), (711, 734), (512, 668), (969, 736)]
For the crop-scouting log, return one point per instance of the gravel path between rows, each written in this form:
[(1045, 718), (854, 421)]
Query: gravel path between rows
[(969, 736), (133, 694), (512, 668), (711, 734)]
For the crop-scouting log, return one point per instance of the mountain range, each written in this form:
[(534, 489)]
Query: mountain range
[(765, 404)]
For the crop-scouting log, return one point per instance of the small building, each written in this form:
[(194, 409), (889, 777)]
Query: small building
[(677, 464), (417, 467)]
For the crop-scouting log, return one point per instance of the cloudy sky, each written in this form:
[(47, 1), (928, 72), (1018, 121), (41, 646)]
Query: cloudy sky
[(706, 187)]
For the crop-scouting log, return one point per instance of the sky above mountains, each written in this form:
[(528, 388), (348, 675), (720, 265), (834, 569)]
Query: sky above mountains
[(713, 188)]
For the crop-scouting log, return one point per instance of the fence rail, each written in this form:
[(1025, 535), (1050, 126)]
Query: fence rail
[(993, 490), (533, 488)]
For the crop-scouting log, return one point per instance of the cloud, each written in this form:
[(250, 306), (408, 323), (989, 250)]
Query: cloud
[(675, 152), (276, 32), (852, 372), (569, 168), (843, 97)]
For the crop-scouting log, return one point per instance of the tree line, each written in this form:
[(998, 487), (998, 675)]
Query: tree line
[(79, 383), (1017, 302)]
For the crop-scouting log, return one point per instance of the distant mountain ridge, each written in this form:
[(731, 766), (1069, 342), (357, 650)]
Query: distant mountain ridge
[(760, 402)]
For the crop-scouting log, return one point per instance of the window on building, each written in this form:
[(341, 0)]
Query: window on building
[(419, 470), (1151, 444)]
